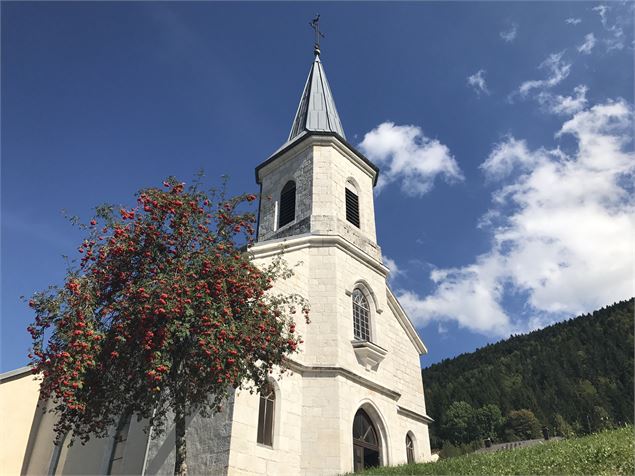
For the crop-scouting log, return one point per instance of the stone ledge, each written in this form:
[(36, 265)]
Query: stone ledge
[(326, 371), (368, 354), (414, 415), (265, 249)]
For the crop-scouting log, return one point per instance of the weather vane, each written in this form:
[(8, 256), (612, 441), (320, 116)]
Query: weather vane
[(315, 24)]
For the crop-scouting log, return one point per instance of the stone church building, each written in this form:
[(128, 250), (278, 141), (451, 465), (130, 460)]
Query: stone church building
[(354, 397)]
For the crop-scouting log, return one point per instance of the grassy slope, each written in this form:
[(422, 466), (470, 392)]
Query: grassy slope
[(608, 453)]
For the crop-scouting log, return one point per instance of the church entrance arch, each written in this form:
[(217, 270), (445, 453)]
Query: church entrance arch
[(366, 442)]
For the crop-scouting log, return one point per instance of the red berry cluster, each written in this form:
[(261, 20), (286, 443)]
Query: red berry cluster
[(166, 302)]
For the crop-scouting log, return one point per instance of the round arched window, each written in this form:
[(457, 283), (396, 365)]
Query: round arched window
[(361, 313), (366, 452)]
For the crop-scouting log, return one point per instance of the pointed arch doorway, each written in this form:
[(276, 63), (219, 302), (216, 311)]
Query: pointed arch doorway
[(366, 444)]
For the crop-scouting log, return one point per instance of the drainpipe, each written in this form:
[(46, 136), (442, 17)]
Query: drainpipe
[(145, 454)]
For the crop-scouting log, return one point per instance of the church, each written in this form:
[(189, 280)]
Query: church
[(353, 397)]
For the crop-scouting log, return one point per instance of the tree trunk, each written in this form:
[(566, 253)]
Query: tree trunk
[(180, 466)]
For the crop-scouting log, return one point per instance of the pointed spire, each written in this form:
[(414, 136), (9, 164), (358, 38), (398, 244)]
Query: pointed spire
[(316, 111)]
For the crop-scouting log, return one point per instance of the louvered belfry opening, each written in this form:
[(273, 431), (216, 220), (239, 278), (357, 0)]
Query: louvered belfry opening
[(287, 204), (352, 207)]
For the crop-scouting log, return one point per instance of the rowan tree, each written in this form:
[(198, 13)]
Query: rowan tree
[(164, 314)]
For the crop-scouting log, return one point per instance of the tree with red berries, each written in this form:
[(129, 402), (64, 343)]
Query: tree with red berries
[(164, 314)]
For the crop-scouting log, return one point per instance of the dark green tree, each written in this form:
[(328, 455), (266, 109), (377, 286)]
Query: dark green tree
[(561, 427), (458, 425), (566, 369), (488, 422), (600, 419), (521, 425)]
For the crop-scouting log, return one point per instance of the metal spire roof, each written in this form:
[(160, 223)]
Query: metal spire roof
[(316, 111)]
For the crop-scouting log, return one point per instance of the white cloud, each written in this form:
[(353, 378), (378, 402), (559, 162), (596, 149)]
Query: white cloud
[(557, 71), (392, 266), (508, 155), (616, 40), (589, 43), (561, 232), (615, 43), (602, 11), (565, 105), (573, 21), (409, 157), (477, 81), (510, 34), (540, 90)]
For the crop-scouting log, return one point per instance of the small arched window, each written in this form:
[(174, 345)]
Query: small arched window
[(115, 463), (410, 449), (287, 204), (352, 204), (361, 312), (266, 415)]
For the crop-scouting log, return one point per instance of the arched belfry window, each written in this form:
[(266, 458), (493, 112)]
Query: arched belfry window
[(287, 204), (361, 313), (266, 415), (410, 449), (366, 453), (115, 463), (352, 204)]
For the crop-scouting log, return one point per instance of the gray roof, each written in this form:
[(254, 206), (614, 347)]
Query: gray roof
[(15, 374), (316, 116), (316, 111)]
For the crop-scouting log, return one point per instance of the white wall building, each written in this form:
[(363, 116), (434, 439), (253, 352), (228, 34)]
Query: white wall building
[(355, 396)]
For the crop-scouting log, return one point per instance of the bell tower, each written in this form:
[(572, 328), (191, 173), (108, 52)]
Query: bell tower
[(317, 183), (358, 371)]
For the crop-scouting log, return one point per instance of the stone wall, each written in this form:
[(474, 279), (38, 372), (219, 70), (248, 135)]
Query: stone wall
[(320, 172), (329, 384), (208, 443), (247, 456), (299, 168)]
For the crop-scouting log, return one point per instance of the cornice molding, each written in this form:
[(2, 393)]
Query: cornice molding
[(414, 415), (319, 371), (308, 139), (269, 248)]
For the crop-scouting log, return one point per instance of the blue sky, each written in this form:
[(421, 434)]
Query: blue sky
[(503, 131)]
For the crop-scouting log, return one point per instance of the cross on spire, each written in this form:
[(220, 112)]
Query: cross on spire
[(315, 24)]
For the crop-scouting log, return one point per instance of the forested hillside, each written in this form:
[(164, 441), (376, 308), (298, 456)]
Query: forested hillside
[(576, 375)]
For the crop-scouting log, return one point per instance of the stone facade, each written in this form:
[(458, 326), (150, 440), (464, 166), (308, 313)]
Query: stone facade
[(334, 375), (331, 257), (320, 166)]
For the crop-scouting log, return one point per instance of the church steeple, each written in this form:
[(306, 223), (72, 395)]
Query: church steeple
[(316, 111), (317, 183)]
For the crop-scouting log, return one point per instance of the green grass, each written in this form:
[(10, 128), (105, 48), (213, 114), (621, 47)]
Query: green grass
[(608, 453)]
